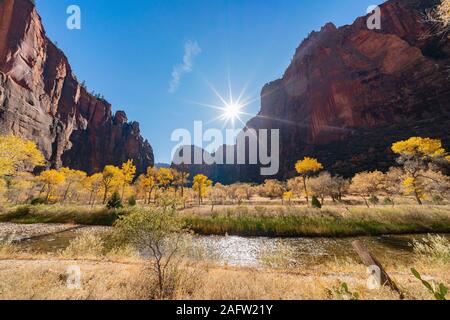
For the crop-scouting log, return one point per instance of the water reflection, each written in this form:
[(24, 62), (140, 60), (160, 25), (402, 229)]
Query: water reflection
[(239, 251)]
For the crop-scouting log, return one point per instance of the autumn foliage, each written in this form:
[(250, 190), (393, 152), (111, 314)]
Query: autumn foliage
[(420, 174)]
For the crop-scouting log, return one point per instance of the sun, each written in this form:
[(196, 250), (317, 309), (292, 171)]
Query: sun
[(232, 111)]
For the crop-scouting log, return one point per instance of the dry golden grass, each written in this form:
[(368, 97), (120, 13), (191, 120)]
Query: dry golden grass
[(30, 277)]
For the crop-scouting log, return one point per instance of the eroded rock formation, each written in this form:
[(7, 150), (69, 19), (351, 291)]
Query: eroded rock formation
[(41, 100), (350, 92)]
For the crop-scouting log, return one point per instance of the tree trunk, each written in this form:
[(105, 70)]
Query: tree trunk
[(306, 190), (105, 195), (47, 197), (369, 260), (365, 201), (90, 197), (66, 192), (416, 194), (123, 192)]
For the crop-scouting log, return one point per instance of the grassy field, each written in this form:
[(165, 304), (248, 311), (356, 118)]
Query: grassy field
[(70, 214), (330, 222), (273, 221), (26, 276)]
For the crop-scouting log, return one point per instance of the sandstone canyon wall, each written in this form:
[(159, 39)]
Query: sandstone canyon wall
[(350, 92), (41, 100)]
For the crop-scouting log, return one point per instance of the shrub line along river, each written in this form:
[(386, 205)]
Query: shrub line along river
[(235, 250)]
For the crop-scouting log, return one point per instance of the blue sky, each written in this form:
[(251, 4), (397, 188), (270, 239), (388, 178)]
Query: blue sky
[(127, 51)]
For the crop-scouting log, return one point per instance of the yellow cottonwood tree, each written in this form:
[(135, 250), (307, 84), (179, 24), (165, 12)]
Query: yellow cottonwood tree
[(366, 184), (201, 182), (421, 148), (111, 178), (146, 182), (20, 187), (18, 154), (51, 179), (305, 168), (180, 179), (128, 174), (93, 184), (72, 179), (164, 178), (287, 196), (415, 155)]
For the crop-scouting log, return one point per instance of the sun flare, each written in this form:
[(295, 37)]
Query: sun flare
[(232, 111)]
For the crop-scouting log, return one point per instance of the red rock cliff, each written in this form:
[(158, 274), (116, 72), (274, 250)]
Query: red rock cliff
[(41, 100), (350, 92)]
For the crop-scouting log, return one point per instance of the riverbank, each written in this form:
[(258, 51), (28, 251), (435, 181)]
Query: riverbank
[(40, 277), (268, 221)]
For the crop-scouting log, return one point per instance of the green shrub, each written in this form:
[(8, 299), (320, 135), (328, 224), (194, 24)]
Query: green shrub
[(160, 231), (374, 200), (438, 290), (437, 199), (37, 201), (342, 292), (114, 202), (87, 244), (388, 202), (316, 203), (132, 201)]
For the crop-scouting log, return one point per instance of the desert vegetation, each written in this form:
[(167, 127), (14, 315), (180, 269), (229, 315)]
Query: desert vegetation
[(148, 249), (411, 197)]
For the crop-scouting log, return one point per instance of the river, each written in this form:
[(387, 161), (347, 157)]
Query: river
[(254, 252)]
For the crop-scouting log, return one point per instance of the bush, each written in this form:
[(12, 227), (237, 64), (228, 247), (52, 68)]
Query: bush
[(37, 201), (433, 248), (437, 200), (114, 202), (87, 244), (160, 233), (374, 200), (438, 290), (388, 202), (316, 203), (132, 201), (341, 292)]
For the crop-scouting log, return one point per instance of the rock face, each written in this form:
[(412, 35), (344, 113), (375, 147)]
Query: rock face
[(41, 100), (351, 92)]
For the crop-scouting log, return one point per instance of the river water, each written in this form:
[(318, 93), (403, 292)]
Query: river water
[(254, 252)]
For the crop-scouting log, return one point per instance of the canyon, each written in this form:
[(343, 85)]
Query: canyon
[(42, 100), (350, 92), (347, 95)]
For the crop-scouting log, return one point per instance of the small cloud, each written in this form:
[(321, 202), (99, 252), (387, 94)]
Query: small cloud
[(191, 50)]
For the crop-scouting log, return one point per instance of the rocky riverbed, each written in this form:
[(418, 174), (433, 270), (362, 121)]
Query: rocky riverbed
[(18, 232)]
